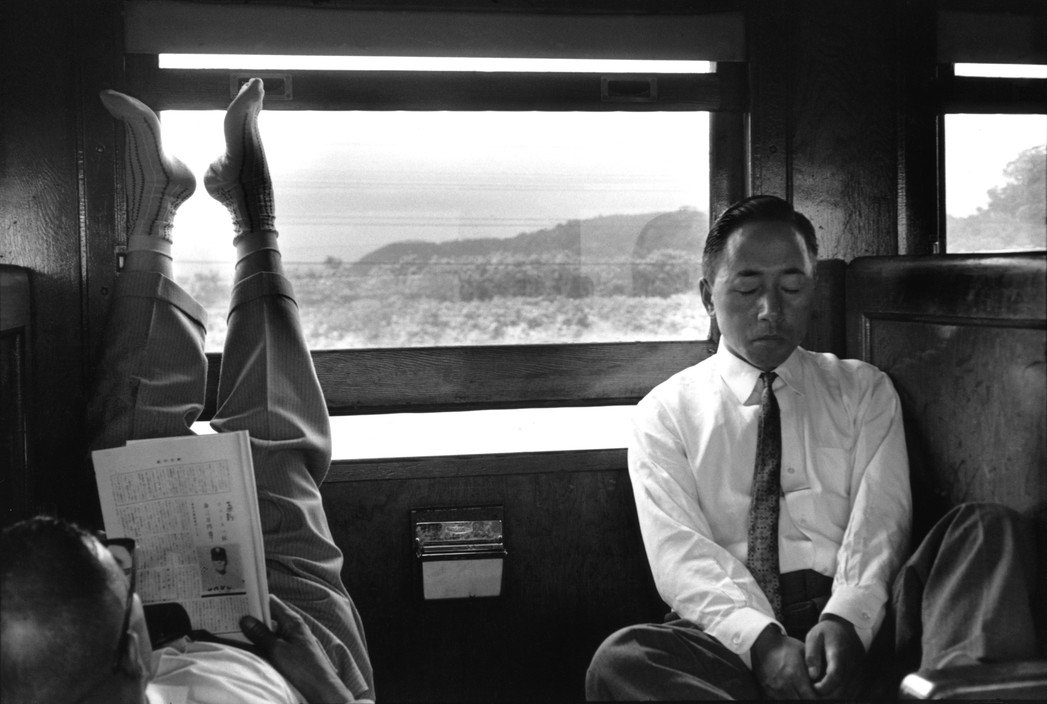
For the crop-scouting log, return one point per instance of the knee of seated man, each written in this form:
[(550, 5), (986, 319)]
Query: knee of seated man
[(993, 518), (987, 510), (616, 653)]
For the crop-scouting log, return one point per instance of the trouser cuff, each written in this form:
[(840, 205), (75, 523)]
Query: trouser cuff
[(260, 285), (148, 284)]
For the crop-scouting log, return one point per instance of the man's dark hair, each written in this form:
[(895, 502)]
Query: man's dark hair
[(58, 610), (749, 210)]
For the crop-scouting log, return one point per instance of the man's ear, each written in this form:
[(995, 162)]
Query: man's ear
[(135, 662), (706, 291)]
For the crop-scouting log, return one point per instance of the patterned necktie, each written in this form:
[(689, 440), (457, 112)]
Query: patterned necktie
[(762, 559)]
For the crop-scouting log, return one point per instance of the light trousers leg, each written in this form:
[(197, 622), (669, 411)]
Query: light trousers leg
[(151, 372), (268, 387)]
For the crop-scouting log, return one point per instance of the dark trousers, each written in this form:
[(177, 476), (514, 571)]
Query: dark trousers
[(964, 596)]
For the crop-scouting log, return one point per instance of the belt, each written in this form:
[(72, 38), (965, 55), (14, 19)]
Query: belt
[(804, 595)]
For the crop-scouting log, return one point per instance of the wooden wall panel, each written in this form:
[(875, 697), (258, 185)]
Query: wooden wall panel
[(826, 332), (919, 208), (674, 30), (964, 339), (823, 123), (844, 165), (102, 197), (771, 78), (975, 400), (39, 228), (576, 571), (15, 368)]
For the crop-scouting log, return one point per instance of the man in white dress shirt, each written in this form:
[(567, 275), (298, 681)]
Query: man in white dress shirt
[(842, 507)]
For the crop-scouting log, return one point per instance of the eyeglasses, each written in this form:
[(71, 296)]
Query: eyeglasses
[(123, 551)]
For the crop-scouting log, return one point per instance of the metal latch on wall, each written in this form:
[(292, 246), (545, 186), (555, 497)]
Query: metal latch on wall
[(278, 85), (461, 551), (629, 89)]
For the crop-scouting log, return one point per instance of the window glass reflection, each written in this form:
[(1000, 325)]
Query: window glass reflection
[(413, 229)]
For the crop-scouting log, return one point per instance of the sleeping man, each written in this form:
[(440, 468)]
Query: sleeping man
[(772, 491)]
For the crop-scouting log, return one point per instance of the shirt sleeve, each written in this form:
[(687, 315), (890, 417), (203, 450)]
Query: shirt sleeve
[(701, 581), (877, 535)]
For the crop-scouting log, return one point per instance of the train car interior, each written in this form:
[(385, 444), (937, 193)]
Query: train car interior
[(493, 250)]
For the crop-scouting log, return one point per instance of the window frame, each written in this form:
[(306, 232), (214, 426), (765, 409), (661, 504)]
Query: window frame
[(386, 380), (935, 36), (977, 95)]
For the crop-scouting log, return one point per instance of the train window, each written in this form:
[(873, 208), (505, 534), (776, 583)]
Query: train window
[(995, 190), (510, 224), (437, 228), (995, 157), (543, 218)]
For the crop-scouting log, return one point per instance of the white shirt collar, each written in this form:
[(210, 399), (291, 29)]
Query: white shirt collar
[(742, 378)]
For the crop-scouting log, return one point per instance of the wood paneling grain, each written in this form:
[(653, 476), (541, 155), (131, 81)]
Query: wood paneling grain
[(15, 370), (102, 197), (512, 376), (576, 571), (771, 85), (920, 211), (964, 339), (39, 230), (844, 164), (451, 466), (663, 30), (975, 401)]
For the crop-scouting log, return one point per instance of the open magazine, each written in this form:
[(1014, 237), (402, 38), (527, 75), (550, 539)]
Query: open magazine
[(191, 505)]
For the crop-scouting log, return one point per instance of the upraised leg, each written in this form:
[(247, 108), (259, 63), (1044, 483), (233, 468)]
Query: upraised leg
[(268, 387), (151, 369)]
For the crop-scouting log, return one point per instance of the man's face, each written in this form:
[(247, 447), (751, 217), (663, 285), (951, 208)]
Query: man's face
[(762, 291), (220, 565)]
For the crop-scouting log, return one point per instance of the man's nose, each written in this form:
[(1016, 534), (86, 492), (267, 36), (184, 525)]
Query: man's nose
[(770, 306)]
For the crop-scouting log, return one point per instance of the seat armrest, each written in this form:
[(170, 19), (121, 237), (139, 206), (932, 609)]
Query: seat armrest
[(1005, 680)]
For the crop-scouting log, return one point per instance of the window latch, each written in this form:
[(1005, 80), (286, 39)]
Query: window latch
[(628, 89), (278, 86)]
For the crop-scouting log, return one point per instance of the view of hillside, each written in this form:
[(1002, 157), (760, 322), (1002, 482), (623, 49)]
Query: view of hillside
[(1015, 217), (611, 278), (605, 279)]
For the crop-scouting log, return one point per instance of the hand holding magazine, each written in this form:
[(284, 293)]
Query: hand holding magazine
[(191, 505)]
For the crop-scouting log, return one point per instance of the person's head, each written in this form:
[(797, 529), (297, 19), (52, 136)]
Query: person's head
[(758, 278), (71, 629), (219, 559)]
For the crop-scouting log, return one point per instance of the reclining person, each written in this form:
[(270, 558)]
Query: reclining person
[(73, 630), (772, 490)]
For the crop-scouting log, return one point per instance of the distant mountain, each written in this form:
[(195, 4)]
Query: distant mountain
[(646, 254), (602, 238)]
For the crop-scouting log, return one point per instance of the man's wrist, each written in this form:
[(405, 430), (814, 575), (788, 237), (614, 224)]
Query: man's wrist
[(770, 636), (838, 619)]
